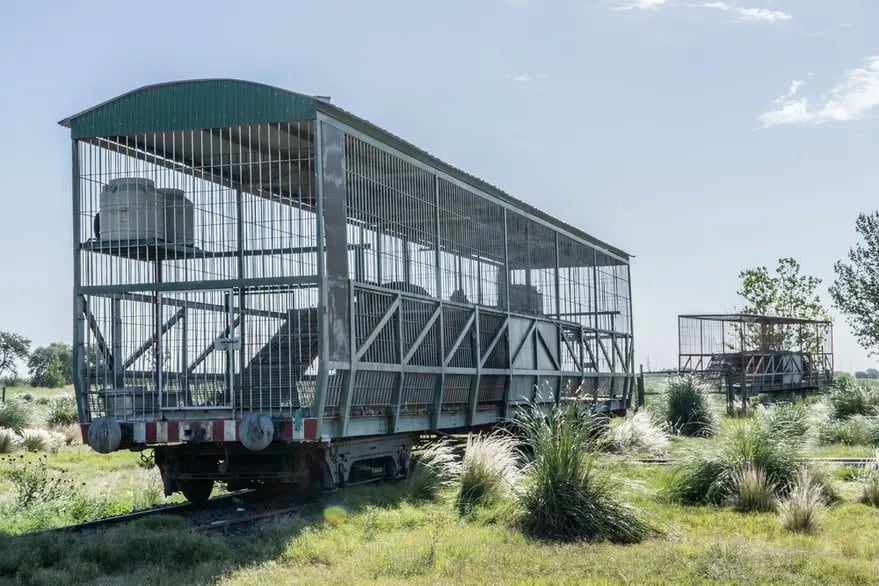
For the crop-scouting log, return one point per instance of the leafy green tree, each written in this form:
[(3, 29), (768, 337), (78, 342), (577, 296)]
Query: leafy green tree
[(786, 293), (51, 366), (13, 347), (855, 292)]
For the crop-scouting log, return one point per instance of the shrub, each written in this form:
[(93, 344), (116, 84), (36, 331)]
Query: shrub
[(40, 440), (710, 478), (687, 410), (801, 508), (72, 434), (14, 415), (787, 419), (857, 430), (7, 441), (639, 434), (869, 479), (436, 466), (850, 398), (62, 412), (489, 470), (36, 483), (565, 496), (751, 490), (26, 397)]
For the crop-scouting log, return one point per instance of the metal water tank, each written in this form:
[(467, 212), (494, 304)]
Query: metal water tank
[(179, 214), (131, 209)]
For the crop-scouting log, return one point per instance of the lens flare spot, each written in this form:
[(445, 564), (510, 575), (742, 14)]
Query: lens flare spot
[(335, 514)]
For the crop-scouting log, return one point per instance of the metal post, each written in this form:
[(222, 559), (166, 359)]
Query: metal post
[(242, 354), (320, 390), (78, 309)]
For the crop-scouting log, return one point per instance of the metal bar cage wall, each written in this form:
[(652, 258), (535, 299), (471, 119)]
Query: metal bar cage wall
[(756, 352), (307, 268)]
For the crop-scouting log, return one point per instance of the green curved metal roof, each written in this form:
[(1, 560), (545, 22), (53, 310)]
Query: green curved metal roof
[(216, 103), (181, 105)]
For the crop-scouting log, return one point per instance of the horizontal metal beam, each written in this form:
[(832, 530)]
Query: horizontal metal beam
[(139, 297), (310, 280)]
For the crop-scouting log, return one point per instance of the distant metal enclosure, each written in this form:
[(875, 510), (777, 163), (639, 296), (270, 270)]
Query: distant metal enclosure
[(757, 353), (312, 266)]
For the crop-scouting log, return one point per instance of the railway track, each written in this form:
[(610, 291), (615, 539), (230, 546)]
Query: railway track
[(839, 461), (214, 504)]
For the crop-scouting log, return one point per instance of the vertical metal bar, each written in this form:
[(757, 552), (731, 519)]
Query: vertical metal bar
[(348, 389), (242, 329), (79, 384), (184, 356), (476, 378), (116, 320), (397, 401), (505, 407), (438, 254), (320, 388)]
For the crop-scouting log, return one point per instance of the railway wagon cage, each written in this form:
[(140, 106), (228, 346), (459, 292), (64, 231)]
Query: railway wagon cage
[(250, 257), (746, 355)]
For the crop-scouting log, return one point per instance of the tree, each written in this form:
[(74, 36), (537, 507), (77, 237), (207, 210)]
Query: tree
[(872, 373), (51, 366), (856, 289), (13, 347), (787, 293)]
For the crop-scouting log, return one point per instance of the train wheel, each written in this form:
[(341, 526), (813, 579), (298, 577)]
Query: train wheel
[(197, 491)]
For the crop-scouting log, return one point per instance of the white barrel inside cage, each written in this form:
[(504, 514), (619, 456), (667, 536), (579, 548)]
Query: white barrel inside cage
[(131, 209), (179, 214)]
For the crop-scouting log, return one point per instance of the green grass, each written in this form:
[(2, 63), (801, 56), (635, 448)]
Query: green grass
[(387, 539)]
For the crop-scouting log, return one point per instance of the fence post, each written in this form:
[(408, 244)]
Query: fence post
[(639, 403), (4, 393)]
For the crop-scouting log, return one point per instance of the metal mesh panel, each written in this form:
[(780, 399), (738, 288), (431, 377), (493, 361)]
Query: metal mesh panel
[(374, 389), (392, 219), (491, 388), (457, 389), (418, 390), (185, 237)]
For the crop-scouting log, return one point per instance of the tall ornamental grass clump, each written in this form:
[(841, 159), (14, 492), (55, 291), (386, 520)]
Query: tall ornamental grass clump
[(433, 468), (710, 477), (7, 441), (857, 430), (869, 479), (489, 470), (564, 495), (751, 491), (687, 411), (790, 420), (850, 398), (641, 433), (15, 415), (801, 509)]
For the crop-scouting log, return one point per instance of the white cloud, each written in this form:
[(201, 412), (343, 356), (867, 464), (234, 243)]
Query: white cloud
[(752, 14), (523, 77), (851, 99), (639, 4)]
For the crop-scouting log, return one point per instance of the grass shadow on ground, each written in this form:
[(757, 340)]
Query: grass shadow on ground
[(166, 549)]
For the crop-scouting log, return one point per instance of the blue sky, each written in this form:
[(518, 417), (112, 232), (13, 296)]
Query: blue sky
[(704, 137)]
